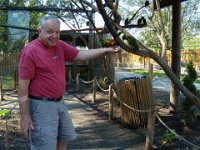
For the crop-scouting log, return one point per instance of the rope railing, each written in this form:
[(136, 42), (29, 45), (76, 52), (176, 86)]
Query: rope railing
[(91, 81), (111, 101), (86, 82), (131, 108), (70, 77), (176, 135), (160, 120), (94, 83), (103, 90)]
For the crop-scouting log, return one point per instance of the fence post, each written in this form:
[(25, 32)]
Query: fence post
[(150, 126), (1, 89), (14, 80), (94, 89), (69, 77), (77, 82), (111, 101), (151, 71)]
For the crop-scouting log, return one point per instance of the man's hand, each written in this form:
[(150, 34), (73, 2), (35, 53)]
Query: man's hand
[(113, 49), (25, 120), (26, 124)]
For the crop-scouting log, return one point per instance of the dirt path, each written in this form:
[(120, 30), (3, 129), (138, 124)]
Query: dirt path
[(95, 131)]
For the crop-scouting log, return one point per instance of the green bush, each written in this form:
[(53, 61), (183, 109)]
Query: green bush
[(187, 112), (103, 83), (169, 136)]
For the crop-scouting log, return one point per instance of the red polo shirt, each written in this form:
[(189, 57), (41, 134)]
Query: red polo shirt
[(45, 67)]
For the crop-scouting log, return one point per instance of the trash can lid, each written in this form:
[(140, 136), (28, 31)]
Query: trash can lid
[(133, 78)]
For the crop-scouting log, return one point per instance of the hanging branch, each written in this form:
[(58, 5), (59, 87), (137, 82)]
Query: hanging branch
[(116, 15), (76, 31), (94, 8)]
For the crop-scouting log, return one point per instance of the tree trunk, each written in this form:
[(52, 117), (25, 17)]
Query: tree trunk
[(176, 54), (164, 49), (162, 35)]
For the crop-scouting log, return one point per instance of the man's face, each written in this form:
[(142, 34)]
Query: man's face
[(50, 33)]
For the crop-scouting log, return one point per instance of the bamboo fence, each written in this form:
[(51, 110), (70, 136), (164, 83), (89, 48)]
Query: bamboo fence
[(135, 93)]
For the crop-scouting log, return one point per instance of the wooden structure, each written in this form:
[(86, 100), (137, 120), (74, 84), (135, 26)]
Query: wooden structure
[(166, 3)]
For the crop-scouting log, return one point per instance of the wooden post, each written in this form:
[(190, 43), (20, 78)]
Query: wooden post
[(175, 54), (6, 136), (151, 71), (16, 79), (13, 81), (1, 90), (111, 101), (150, 129), (77, 82), (94, 89), (69, 77), (150, 124)]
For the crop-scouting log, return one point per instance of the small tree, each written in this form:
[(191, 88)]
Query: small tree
[(187, 112)]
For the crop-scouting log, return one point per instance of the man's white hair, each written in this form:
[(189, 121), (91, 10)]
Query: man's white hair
[(45, 18)]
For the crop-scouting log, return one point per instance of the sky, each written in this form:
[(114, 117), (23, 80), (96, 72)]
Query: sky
[(15, 18), (99, 22)]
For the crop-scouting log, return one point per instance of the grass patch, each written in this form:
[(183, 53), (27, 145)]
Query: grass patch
[(7, 81), (145, 72), (158, 73), (198, 79)]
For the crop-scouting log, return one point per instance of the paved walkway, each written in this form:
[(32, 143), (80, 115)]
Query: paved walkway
[(96, 132), (158, 82)]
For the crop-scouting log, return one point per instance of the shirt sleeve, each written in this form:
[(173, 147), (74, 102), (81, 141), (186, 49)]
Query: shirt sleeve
[(26, 66), (70, 52)]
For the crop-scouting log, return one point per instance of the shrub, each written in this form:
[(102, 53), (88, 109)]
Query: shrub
[(187, 112), (5, 114)]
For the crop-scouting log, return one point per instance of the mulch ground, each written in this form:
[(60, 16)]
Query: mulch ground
[(163, 140)]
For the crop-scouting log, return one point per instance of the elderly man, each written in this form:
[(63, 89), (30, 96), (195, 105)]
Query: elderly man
[(44, 116)]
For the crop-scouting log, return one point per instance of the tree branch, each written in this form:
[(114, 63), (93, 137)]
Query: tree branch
[(147, 53)]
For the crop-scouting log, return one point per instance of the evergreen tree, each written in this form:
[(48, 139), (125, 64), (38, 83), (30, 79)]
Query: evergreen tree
[(187, 112)]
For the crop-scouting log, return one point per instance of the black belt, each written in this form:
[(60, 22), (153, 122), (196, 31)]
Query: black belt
[(45, 98)]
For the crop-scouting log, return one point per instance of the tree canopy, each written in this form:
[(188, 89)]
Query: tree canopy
[(190, 23)]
